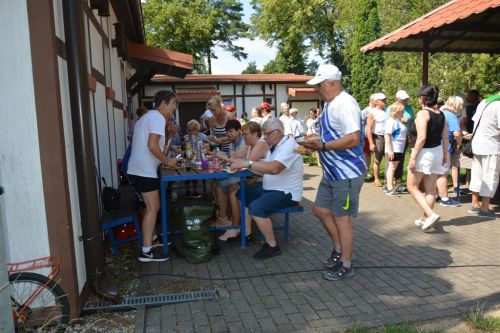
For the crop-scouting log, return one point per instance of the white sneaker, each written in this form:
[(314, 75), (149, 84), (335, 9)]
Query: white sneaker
[(419, 223), (430, 221), (230, 233)]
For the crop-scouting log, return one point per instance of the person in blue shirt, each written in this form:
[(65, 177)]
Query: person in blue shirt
[(407, 119), (452, 109), (344, 168)]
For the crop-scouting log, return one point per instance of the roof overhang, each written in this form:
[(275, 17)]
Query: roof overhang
[(198, 93), (302, 92), (458, 26), (148, 61)]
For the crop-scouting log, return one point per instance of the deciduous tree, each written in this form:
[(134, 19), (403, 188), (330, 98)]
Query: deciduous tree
[(195, 27)]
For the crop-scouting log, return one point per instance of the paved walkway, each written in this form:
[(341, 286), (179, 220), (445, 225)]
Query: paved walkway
[(402, 274)]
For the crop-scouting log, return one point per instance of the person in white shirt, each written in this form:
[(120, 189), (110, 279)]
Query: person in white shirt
[(375, 130), (366, 144), (395, 141), (296, 127), (204, 120), (256, 116), (265, 108), (285, 118), (147, 144), (282, 183), (485, 171)]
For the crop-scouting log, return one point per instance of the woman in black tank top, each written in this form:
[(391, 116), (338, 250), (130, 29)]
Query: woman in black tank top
[(428, 155)]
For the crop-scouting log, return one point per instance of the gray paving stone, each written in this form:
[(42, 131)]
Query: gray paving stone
[(294, 299)]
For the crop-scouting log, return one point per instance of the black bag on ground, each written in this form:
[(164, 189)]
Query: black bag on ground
[(197, 243), (110, 197)]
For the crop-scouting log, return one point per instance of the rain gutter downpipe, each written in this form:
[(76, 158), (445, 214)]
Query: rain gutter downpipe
[(82, 135)]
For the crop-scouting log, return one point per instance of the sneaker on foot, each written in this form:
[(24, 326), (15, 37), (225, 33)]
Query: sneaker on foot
[(267, 252), (392, 193), (338, 273), (401, 188), (154, 255), (486, 215), (333, 260), (419, 223), (474, 210), (438, 198), (450, 203), (430, 221), (384, 189)]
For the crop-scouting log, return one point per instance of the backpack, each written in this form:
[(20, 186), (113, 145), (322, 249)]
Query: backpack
[(110, 197)]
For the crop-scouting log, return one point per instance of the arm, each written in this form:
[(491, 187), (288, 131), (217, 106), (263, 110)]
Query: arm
[(369, 133), (260, 167), (458, 138), (388, 144), (154, 148), (421, 125), (445, 141)]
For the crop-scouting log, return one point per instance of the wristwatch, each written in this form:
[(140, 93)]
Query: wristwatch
[(250, 163)]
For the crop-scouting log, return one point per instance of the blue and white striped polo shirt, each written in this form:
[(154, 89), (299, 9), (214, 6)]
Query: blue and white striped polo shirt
[(340, 117)]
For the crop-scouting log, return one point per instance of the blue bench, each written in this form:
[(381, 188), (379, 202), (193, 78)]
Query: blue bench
[(113, 219), (286, 211)]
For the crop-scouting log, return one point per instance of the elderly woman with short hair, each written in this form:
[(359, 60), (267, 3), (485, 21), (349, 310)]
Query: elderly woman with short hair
[(451, 110)]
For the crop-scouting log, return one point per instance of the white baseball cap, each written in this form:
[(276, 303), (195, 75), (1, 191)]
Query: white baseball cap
[(379, 96), (325, 72), (401, 94)]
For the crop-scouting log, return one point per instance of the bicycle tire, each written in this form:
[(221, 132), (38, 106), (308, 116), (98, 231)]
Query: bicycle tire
[(50, 309)]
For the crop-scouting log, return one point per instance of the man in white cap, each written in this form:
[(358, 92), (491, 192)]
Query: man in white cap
[(407, 119), (337, 200), (375, 133), (296, 127)]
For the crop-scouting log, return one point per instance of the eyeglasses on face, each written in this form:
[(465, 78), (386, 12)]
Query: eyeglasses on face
[(268, 133)]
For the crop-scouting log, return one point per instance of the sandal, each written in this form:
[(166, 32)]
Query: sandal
[(230, 233), (218, 222)]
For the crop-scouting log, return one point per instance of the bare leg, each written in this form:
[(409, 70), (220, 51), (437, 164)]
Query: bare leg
[(265, 226), (325, 216), (376, 167), (430, 189), (344, 227), (485, 204), (442, 186), (454, 176), (222, 202), (152, 202), (234, 204), (390, 174), (413, 182), (475, 200)]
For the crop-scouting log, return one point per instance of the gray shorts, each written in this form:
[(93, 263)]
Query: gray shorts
[(340, 196)]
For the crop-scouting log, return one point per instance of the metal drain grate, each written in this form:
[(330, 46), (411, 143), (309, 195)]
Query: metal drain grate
[(131, 303)]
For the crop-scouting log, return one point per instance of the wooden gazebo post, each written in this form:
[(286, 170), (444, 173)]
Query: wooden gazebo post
[(425, 59)]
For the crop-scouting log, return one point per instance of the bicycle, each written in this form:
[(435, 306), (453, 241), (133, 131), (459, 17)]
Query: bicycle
[(38, 302)]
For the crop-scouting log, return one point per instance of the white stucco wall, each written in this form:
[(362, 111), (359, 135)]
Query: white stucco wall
[(22, 205)]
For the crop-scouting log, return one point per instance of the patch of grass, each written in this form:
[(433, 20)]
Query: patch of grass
[(400, 328), (479, 321)]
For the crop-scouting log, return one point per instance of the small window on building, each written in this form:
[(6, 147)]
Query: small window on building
[(227, 101), (269, 100)]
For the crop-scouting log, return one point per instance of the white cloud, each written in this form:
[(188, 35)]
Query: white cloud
[(257, 51)]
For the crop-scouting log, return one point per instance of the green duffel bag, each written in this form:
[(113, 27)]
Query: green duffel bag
[(197, 244)]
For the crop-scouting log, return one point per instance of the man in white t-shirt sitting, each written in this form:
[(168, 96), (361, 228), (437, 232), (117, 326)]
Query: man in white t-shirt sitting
[(281, 186)]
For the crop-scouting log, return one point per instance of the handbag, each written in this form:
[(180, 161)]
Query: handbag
[(466, 148)]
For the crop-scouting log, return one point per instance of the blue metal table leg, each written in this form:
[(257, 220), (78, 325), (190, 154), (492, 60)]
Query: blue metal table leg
[(164, 222), (242, 212)]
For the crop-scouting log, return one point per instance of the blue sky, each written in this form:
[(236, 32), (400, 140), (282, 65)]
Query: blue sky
[(257, 51)]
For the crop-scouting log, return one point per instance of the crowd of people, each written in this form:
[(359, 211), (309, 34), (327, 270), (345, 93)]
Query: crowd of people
[(346, 140)]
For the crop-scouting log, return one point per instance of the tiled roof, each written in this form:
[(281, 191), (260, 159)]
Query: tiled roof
[(456, 26), (196, 93), (235, 78), (163, 60), (302, 91)]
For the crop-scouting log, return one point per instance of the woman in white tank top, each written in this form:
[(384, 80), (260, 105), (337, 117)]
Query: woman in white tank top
[(375, 125)]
